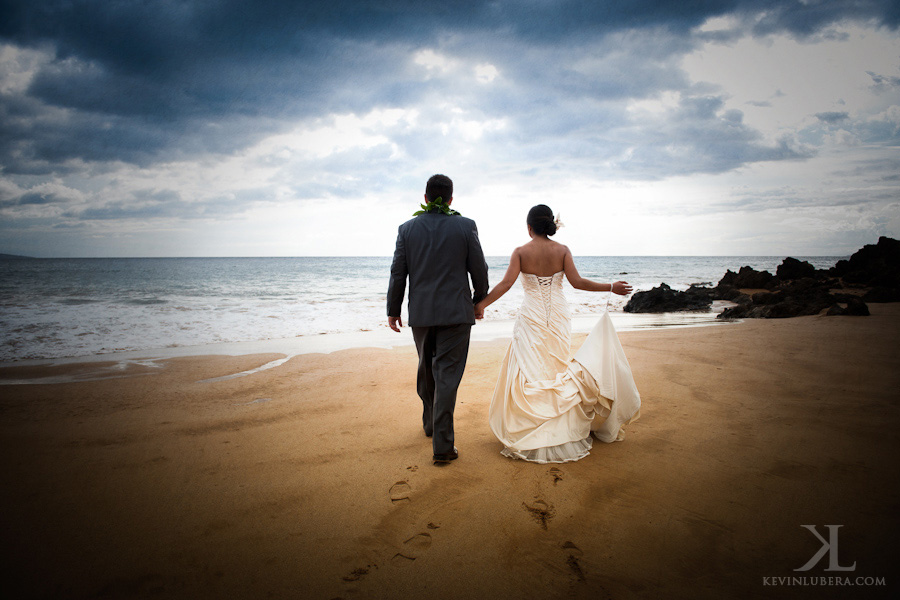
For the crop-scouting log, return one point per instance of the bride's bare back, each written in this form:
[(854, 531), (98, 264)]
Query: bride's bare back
[(542, 257)]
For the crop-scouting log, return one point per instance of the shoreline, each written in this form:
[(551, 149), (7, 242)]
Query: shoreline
[(115, 364), (384, 338)]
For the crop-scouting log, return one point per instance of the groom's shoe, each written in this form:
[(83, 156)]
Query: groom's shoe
[(442, 459), (428, 433)]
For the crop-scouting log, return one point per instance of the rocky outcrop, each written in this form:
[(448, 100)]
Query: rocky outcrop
[(796, 289), (665, 299), (791, 268), (873, 265), (747, 277)]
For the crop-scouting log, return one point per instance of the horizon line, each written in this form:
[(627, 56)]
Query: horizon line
[(24, 257)]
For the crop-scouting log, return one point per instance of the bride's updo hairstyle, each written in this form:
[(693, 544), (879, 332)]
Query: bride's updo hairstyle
[(540, 219)]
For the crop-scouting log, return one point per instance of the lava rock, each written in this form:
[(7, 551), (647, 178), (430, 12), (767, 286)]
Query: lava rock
[(727, 292), (875, 265), (747, 277), (799, 289), (855, 308), (791, 268), (665, 299), (732, 294)]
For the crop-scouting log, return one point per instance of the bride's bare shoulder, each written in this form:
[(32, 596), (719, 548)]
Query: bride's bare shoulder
[(525, 248), (561, 249)]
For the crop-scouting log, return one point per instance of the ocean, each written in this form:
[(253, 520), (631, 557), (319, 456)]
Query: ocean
[(57, 308)]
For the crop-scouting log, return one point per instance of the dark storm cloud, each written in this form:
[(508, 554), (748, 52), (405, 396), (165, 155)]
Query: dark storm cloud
[(160, 204), (148, 82), (39, 140), (39, 198), (806, 18), (882, 83), (832, 117)]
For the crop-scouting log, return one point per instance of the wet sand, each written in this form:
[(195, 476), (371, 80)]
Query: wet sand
[(313, 479)]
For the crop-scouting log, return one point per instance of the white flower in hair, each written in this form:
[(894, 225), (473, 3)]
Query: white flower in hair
[(558, 222)]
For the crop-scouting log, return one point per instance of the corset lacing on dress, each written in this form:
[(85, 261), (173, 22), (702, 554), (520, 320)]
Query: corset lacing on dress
[(545, 284)]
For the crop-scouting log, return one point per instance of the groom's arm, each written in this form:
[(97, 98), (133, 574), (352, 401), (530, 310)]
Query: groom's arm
[(397, 285), (477, 267)]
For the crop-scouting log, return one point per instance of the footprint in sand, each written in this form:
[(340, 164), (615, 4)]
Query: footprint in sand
[(356, 574), (413, 548), (556, 474), (400, 492), (573, 553), (541, 511)]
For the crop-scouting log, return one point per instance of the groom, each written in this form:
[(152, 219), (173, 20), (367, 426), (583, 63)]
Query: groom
[(438, 250)]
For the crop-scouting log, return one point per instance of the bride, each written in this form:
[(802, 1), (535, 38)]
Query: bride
[(545, 405)]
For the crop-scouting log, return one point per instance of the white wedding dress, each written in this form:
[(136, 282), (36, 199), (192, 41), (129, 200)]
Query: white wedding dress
[(545, 405)]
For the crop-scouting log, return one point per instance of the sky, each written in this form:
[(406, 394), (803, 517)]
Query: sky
[(285, 128)]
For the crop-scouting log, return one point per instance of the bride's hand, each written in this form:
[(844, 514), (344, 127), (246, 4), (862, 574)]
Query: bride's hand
[(621, 288), (479, 310)]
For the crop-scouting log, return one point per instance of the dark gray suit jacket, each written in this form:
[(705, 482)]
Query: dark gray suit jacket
[(437, 252)]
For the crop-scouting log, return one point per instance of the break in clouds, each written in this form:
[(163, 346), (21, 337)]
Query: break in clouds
[(129, 119)]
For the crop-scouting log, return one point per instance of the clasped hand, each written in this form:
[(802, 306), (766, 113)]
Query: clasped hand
[(479, 310)]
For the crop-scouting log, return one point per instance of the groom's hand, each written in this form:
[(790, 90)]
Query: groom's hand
[(395, 323)]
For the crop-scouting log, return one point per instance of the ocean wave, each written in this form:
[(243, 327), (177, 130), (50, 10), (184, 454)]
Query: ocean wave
[(78, 301), (146, 301), (159, 303)]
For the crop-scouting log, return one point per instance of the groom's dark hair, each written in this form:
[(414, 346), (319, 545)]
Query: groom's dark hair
[(439, 186)]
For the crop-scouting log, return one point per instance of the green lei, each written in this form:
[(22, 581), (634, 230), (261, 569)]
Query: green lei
[(437, 204)]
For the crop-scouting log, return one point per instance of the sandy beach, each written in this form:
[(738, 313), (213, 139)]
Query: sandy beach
[(314, 480)]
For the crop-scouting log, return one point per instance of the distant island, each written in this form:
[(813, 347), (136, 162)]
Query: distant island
[(15, 257)]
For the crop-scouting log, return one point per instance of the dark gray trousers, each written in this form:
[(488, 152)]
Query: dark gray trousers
[(442, 351)]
